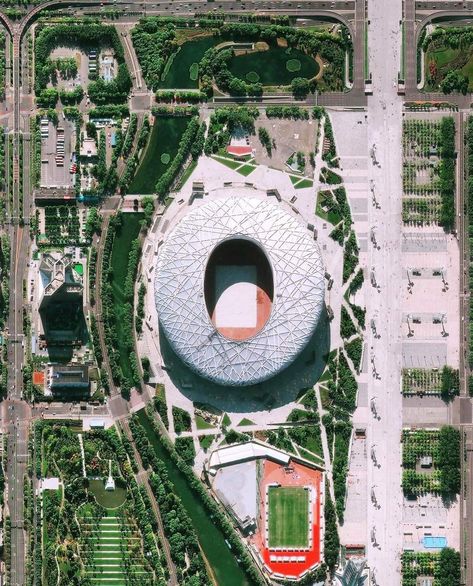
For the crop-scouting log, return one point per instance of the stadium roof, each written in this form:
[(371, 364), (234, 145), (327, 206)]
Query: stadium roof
[(298, 276)]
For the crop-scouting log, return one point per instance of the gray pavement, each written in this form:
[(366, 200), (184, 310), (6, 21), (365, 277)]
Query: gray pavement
[(384, 131)]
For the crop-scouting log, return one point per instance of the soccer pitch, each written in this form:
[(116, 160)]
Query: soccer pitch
[(288, 517)]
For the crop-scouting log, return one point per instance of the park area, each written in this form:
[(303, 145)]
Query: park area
[(288, 517), (89, 535), (448, 60), (161, 150), (272, 65), (238, 58), (429, 171)]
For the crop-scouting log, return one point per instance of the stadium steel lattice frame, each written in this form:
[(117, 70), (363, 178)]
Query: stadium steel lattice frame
[(298, 276)]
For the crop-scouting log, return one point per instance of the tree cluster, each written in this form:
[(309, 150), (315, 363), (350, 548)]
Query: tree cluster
[(447, 173), (186, 148), (85, 36), (224, 121), (182, 420)]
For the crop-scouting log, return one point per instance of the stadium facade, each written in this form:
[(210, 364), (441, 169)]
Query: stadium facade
[(289, 285)]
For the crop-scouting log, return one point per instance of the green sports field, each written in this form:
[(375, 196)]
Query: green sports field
[(288, 517)]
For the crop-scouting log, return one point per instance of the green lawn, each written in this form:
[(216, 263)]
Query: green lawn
[(242, 168), (300, 182), (202, 424), (246, 421), (288, 517), (228, 162), (246, 170), (447, 59)]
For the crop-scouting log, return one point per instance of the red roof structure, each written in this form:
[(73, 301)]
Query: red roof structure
[(38, 378), (239, 151)]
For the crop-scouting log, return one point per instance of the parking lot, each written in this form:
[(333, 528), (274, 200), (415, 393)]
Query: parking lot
[(55, 164)]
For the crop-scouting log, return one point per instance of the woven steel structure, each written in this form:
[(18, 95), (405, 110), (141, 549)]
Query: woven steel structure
[(298, 276)]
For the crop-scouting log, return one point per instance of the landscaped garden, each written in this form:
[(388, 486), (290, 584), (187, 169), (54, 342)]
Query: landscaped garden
[(431, 461), (424, 381), (61, 226), (83, 541), (448, 59), (239, 58), (86, 36), (429, 172), (443, 568)]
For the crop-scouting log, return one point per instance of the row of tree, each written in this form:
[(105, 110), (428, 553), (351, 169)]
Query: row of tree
[(191, 144), (185, 551), (217, 514), (447, 173)]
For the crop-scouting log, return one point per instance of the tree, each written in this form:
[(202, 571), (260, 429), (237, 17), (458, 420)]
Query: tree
[(91, 130), (449, 461), (454, 81), (449, 568), (300, 87), (147, 203), (450, 383)]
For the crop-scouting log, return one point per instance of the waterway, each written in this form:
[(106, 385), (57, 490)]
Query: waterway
[(129, 230), (212, 541)]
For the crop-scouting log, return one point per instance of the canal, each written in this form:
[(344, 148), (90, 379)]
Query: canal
[(212, 541)]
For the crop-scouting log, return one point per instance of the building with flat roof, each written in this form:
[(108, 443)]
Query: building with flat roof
[(71, 379), (60, 300)]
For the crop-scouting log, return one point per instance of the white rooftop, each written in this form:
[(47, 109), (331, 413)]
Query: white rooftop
[(298, 276), (245, 451)]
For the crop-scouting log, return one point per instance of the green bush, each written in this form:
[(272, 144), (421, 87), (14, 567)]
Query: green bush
[(182, 420), (354, 349), (347, 327)]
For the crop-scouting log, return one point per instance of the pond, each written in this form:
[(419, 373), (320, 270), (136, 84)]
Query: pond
[(121, 249), (181, 72), (110, 499), (275, 66), (224, 565), (162, 148)]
